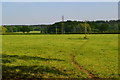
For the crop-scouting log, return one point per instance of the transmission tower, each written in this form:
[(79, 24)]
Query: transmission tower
[(62, 28), (85, 27)]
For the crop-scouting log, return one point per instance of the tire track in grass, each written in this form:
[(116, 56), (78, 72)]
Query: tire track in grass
[(81, 68)]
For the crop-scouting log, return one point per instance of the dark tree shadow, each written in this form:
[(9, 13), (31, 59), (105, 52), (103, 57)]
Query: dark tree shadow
[(76, 38), (11, 58), (28, 72), (5, 60), (24, 72)]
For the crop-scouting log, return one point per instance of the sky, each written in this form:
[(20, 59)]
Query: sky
[(51, 12)]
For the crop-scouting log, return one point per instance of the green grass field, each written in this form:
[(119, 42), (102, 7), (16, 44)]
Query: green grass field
[(50, 56), (29, 32)]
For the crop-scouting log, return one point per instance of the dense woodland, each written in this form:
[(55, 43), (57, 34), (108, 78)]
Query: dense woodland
[(67, 27)]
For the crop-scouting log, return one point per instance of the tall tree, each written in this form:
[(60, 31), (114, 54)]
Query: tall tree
[(25, 29), (3, 30), (104, 27)]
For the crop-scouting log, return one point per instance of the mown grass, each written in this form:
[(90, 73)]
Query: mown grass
[(48, 56), (29, 32)]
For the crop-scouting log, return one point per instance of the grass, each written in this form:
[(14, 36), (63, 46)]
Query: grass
[(29, 32), (48, 56)]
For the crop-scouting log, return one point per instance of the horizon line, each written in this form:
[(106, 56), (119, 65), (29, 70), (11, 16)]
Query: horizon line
[(65, 21)]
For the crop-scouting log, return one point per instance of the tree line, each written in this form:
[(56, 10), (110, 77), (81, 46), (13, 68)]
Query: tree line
[(68, 27)]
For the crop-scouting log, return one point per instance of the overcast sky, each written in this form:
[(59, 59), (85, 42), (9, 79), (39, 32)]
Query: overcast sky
[(51, 12)]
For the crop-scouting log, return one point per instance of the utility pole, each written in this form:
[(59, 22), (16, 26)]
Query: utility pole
[(62, 28)]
